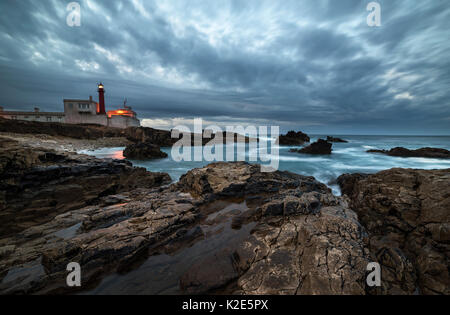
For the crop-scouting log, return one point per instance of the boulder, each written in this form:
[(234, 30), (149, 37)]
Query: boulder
[(144, 151), (303, 241), (423, 152), (293, 138), (336, 140), (406, 214), (161, 138), (320, 147)]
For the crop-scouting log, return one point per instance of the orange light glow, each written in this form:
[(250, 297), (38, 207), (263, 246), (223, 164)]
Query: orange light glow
[(121, 112)]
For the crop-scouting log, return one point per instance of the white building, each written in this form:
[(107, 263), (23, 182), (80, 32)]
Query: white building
[(36, 115), (81, 112)]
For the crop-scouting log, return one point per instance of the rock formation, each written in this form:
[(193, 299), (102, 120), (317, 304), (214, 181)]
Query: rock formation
[(423, 152), (161, 138), (319, 147), (336, 140), (144, 151), (407, 217), (293, 138), (292, 237), (226, 228), (305, 240), (37, 185)]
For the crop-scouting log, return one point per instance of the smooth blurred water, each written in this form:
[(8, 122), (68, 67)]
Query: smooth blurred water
[(346, 158)]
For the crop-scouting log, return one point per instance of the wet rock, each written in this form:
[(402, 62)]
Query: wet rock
[(104, 238), (298, 238), (423, 152), (242, 179), (293, 138), (319, 147), (307, 254), (211, 273), (406, 213), (306, 241), (37, 185), (336, 140), (144, 151)]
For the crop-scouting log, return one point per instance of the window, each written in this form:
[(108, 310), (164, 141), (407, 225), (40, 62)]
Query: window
[(83, 106), (49, 119)]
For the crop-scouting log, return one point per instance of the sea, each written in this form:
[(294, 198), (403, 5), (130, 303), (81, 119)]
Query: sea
[(348, 157)]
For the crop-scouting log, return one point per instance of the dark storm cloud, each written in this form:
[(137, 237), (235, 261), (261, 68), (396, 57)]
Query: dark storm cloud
[(311, 65)]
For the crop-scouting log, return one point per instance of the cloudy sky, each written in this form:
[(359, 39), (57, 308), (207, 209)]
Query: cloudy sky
[(309, 65)]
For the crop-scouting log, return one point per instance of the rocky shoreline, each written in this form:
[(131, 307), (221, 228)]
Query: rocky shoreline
[(38, 184), (226, 228)]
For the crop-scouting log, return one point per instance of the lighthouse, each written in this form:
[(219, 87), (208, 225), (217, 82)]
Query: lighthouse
[(78, 111), (101, 110)]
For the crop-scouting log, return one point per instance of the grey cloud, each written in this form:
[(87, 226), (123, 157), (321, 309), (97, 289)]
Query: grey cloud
[(280, 61)]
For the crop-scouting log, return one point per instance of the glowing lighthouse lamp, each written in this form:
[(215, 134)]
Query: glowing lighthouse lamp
[(101, 100)]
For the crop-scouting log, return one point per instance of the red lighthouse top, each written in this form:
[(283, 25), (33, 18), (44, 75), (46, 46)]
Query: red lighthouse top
[(101, 109)]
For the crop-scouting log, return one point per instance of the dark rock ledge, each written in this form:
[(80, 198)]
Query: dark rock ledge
[(423, 152), (320, 147), (144, 151), (336, 140), (293, 138), (407, 216)]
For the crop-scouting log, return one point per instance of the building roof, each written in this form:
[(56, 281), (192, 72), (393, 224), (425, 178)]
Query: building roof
[(80, 101)]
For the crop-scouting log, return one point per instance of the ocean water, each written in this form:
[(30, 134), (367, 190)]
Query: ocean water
[(346, 157)]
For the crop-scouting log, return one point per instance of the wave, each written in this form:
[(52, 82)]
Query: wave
[(286, 158), (348, 150), (340, 165), (428, 161)]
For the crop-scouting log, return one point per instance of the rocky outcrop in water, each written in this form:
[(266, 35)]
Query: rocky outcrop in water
[(423, 152), (336, 140), (37, 185), (144, 151), (293, 138), (320, 147), (157, 137), (407, 216)]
